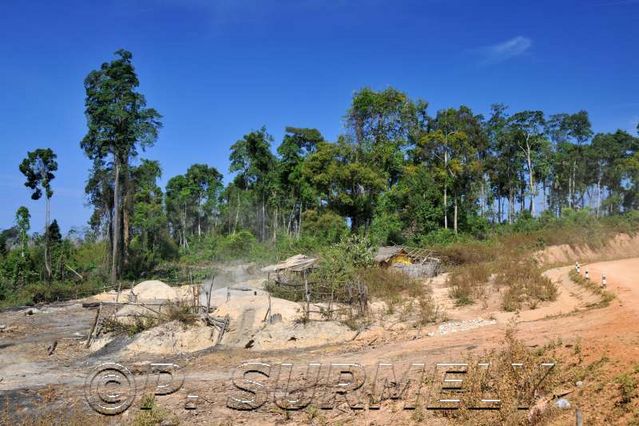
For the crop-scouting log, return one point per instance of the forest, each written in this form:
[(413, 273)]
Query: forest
[(399, 173)]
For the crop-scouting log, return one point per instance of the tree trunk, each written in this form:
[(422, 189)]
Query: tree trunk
[(47, 260), (455, 215), (299, 226), (237, 213), (598, 193), (275, 224), (125, 230), (263, 219), (445, 191), (531, 181), (511, 205), (116, 222), (185, 241)]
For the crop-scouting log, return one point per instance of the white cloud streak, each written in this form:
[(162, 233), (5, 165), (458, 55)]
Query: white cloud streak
[(504, 51)]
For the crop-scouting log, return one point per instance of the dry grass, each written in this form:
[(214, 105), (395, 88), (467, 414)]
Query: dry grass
[(398, 290), (606, 296), (515, 387), (390, 285), (180, 312), (44, 415), (139, 324), (468, 284), (151, 414), (525, 285)]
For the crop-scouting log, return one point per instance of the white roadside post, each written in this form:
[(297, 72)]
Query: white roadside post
[(587, 276), (603, 280), (577, 266)]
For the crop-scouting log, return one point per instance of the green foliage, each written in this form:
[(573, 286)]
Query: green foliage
[(39, 168), (324, 227), (627, 388), (119, 124), (23, 222), (236, 246), (192, 202), (340, 262), (386, 229), (55, 237), (112, 99)]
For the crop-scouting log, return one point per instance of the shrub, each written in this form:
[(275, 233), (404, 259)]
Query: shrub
[(627, 388), (524, 284), (606, 296), (179, 312), (325, 227), (467, 284), (390, 285), (236, 245), (386, 229), (139, 324)]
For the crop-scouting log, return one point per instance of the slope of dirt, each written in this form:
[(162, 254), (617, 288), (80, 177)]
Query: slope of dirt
[(618, 247)]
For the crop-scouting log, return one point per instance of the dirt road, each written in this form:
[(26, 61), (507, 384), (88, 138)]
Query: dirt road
[(611, 331)]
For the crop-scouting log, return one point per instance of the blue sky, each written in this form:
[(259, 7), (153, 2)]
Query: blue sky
[(217, 69)]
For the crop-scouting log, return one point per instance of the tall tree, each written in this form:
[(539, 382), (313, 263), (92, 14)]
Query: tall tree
[(179, 206), (346, 185), (118, 124), (207, 185), (297, 145), (251, 158), (383, 124), (569, 133), (150, 242), (450, 147), (38, 168), (23, 222), (193, 201), (529, 131)]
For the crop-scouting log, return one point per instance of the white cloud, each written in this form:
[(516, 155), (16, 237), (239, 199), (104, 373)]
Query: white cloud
[(508, 49)]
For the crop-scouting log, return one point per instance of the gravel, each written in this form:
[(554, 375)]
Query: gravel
[(455, 326)]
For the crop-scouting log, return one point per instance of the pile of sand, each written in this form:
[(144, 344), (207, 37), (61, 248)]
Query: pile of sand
[(287, 336), (146, 291), (154, 290), (249, 312), (173, 338), (110, 296)]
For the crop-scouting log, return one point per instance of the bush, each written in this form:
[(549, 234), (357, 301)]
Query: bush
[(468, 284), (389, 285), (524, 284), (627, 388), (324, 227), (386, 229), (340, 262), (606, 296)]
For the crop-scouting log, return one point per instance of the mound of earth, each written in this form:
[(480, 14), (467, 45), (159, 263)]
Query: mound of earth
[(287, 336), (154, 290), (173, 338), (146, 291), (249, 312), (621, 246)]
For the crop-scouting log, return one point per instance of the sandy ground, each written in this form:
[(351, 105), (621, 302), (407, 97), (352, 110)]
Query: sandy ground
[(612, 331)]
